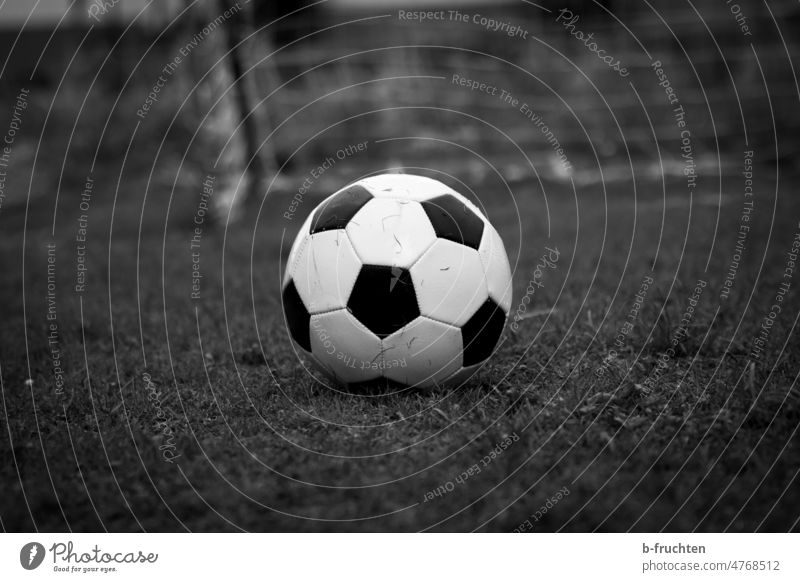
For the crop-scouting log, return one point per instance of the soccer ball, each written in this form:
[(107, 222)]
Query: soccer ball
[(397, 277)]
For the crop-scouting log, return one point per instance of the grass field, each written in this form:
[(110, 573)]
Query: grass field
[(180, 413)]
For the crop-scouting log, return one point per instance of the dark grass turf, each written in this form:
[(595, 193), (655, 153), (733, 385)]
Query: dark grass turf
[(710, 445), (260, 447)]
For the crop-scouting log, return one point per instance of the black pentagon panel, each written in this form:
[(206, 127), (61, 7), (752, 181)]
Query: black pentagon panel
[(481, 332), (337, 212), (383, 299), (454, 220), (297, 316)]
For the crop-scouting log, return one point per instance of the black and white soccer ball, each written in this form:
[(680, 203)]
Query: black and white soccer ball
[(398, 277)]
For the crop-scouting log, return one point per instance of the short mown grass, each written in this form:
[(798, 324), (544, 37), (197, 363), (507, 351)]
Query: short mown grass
[(232, 432), (261, 445)]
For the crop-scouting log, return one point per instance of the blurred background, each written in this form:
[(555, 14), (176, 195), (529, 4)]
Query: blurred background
[(119, 112), (304, 65)]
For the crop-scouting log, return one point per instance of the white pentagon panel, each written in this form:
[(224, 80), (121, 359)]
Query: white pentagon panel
[(325, 271), (300, 240), (346, 349), (449, 282), (495, 265), (418, 188), (423, 353), (390, 232)]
